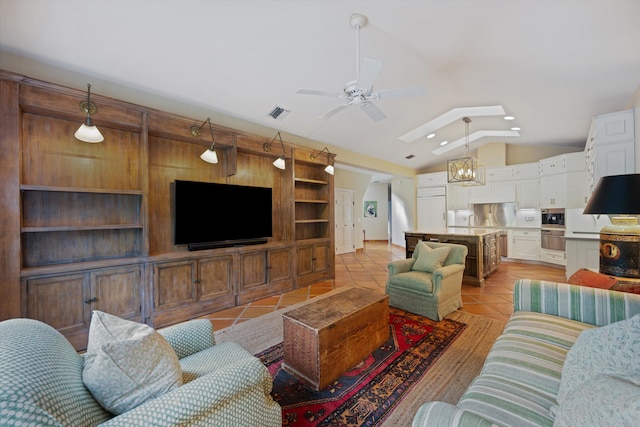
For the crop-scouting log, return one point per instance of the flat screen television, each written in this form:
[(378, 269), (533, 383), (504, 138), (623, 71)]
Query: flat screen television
[(208, 215)]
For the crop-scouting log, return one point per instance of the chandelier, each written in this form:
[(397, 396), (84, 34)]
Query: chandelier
[(466, 170)]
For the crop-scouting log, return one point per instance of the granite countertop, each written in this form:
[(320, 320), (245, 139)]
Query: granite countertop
[(460, 231)]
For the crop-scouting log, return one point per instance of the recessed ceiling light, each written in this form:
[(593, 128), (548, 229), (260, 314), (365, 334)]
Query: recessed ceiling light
[(431, 135), (444, 142), (515, 128), (509, 117)]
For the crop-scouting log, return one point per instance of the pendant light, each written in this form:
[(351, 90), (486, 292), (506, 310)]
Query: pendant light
[(279, 162), (88, 132), (209, 155), (466, 170)]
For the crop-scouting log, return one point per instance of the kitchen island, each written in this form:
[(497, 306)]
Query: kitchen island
[(483, 245)]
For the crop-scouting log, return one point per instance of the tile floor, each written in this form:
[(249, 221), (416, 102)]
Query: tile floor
[(368, 268)]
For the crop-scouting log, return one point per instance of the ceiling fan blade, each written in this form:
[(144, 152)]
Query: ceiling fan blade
[(372, 111), (334, 111), (401, 92), (318, 92), (369, 70)]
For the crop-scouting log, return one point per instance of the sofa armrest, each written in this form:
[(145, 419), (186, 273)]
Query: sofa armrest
[(443, 414), (189, 337), (400, 266), (236, 395), (588, 305)]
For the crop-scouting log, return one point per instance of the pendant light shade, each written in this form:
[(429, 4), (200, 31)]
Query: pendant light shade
[(209, 155), (280, 161), (88, 132)]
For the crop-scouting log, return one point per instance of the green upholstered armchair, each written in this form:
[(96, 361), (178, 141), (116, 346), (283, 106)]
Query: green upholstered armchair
[(429, 283), (41, 382)]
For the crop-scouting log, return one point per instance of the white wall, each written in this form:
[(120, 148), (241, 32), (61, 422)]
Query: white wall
[(377, 228), (403, 208)]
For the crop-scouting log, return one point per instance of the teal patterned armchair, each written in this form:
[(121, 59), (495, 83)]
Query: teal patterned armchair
[(41, 382), (430, 282)]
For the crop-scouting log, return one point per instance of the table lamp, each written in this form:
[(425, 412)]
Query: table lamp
[(617, 196)]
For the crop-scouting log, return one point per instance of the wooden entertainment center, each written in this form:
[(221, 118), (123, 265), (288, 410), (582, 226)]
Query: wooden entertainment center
[(89, 226)]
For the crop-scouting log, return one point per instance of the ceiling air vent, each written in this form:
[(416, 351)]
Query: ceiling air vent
[(279, 113), (410, 156)]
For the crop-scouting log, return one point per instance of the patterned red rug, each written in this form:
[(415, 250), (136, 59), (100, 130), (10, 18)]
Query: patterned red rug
[(365, 395)]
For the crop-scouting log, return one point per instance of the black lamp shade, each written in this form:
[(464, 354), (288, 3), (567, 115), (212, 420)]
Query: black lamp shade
[(615, 195)]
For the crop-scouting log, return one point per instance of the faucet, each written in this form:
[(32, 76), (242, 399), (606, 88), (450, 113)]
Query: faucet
[(469, 220)]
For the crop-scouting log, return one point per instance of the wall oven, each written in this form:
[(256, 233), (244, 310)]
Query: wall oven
[(552, 233), (553, 239)]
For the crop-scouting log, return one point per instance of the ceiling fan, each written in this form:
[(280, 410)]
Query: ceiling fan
[(360, 91)]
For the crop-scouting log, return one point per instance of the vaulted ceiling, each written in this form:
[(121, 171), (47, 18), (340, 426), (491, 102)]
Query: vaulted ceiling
[(552, 65)]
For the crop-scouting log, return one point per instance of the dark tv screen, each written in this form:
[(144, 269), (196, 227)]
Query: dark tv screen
[(209, 212)]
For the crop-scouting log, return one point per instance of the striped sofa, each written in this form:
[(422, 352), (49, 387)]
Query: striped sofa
[(520, 379)]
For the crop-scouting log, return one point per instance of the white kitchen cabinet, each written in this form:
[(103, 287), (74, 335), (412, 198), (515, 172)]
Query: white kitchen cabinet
[(504, 173), (614, 127), (432, 213), (528, 194), (578, 192), (525, 244), (457, 197), (614, 158), (570, 162), (582, 253), (493, 192), (553, 191), (553, 257), (431, 179), (527, 171)]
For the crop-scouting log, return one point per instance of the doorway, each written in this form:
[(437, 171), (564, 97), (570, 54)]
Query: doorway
[(344, 204)]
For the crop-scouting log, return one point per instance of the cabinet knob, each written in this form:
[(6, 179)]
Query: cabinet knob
[(197, 281), (90, 300)]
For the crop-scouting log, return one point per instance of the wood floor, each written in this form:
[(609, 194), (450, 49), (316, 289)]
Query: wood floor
[(368, 268)]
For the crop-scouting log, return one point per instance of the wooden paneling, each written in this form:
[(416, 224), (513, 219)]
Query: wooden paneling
[(52, 156), (117, 291), (10, 262), (174, 284)]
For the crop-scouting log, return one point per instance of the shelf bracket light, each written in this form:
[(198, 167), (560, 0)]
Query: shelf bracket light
[(330, 169), (279, 162), (88, 132), (210, 155)]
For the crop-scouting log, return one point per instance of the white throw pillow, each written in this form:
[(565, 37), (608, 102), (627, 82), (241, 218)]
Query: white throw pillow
[(127, 363), (429, 259), (601, 401), (612, 350)]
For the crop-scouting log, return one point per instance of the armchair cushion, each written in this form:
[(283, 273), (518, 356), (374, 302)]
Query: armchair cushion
[(430, 259), (127, 363), (417, 281)]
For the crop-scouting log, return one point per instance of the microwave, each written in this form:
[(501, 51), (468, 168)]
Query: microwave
[(552, 218)]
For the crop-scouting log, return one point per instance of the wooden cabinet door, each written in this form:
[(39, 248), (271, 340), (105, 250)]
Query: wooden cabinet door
[(280, 262), (321, 253), (253, 269), (174, 284), (117, 291), (304, 260), (60, 301), (215, 277)]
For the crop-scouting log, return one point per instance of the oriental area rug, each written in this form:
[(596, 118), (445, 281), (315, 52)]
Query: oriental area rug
[(366, 394), (445, 380)]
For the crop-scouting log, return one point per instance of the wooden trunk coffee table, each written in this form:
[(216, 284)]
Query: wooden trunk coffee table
[(327, 337)]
